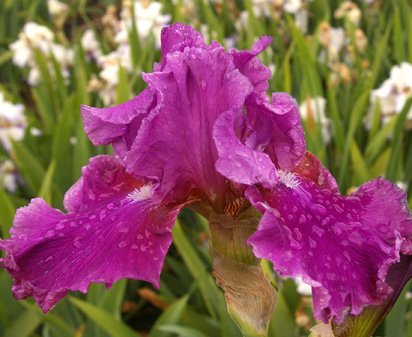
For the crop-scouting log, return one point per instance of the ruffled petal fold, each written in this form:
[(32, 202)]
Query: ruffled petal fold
[(341, 245), (237, 161), (114, 229), (177, 37), (249, 64), (253, 144), (117, 125), (173, 142)]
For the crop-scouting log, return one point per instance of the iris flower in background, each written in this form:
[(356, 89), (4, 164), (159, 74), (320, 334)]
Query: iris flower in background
[(204, 134)]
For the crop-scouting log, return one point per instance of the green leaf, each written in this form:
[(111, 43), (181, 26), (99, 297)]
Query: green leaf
[(170, 316), (182, 331), (104, 320), (45, 191), (7, 211), (398, 134), (28, 165), (24, 325)]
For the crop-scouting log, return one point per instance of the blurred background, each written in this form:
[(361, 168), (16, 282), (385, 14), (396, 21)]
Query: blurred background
[(348, 64)]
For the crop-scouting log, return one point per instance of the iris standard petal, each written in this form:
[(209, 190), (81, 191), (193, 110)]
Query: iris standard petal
[(253, 144), (117, 125), (249, 64), (238, 162), (177, 37), (114, 229), (174, 143), (341, 245)]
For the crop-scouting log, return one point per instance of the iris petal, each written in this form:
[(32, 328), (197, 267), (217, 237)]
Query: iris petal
[(113, 230), (342, 246)]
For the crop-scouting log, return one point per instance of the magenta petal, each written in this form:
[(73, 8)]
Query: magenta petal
[(249, 64), (113, 125), (237, 161), (342, 246), (177, 37), (276, 129), (115, 230), (174, 141), (251, 146)]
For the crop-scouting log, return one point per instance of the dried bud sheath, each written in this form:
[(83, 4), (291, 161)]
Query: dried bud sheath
[(249, 295)]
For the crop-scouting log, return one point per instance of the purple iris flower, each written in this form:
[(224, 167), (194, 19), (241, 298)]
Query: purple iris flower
[(204, 134)]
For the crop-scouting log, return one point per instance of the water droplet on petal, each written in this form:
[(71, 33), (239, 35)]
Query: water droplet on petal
[(50, 233), (122, 244), (110, 206)]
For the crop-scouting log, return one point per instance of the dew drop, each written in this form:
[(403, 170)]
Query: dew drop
[(317, 230), (59, 226), (347, 255), (92, 217), (302, 219), (50, 233), (122, 244), (286, 148), (312, 243), (110, 206), (298, 234), (76, 242)]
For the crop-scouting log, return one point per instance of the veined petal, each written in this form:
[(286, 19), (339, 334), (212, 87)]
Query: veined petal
[(117, 124), (249, 64), (237, 161), (114, 229), (173, 142), (341, 245), (177, 37), (275, 127), (252, 145)]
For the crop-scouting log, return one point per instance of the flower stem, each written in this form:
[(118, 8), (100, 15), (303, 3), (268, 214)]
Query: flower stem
[(249, 295)]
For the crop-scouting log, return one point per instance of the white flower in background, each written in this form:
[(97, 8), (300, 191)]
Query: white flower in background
[(34, 36), (312, 110), (332, 40), (274, 8), (292, 6), (57, 8), (91, 45), (12, 122), (302, 287), (35, 132), (8, 176), (148, 17), (402, 185), (394, 92), (349, 11)]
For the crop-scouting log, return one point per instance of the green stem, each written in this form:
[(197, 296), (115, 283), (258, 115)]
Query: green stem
[(249, 295)]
